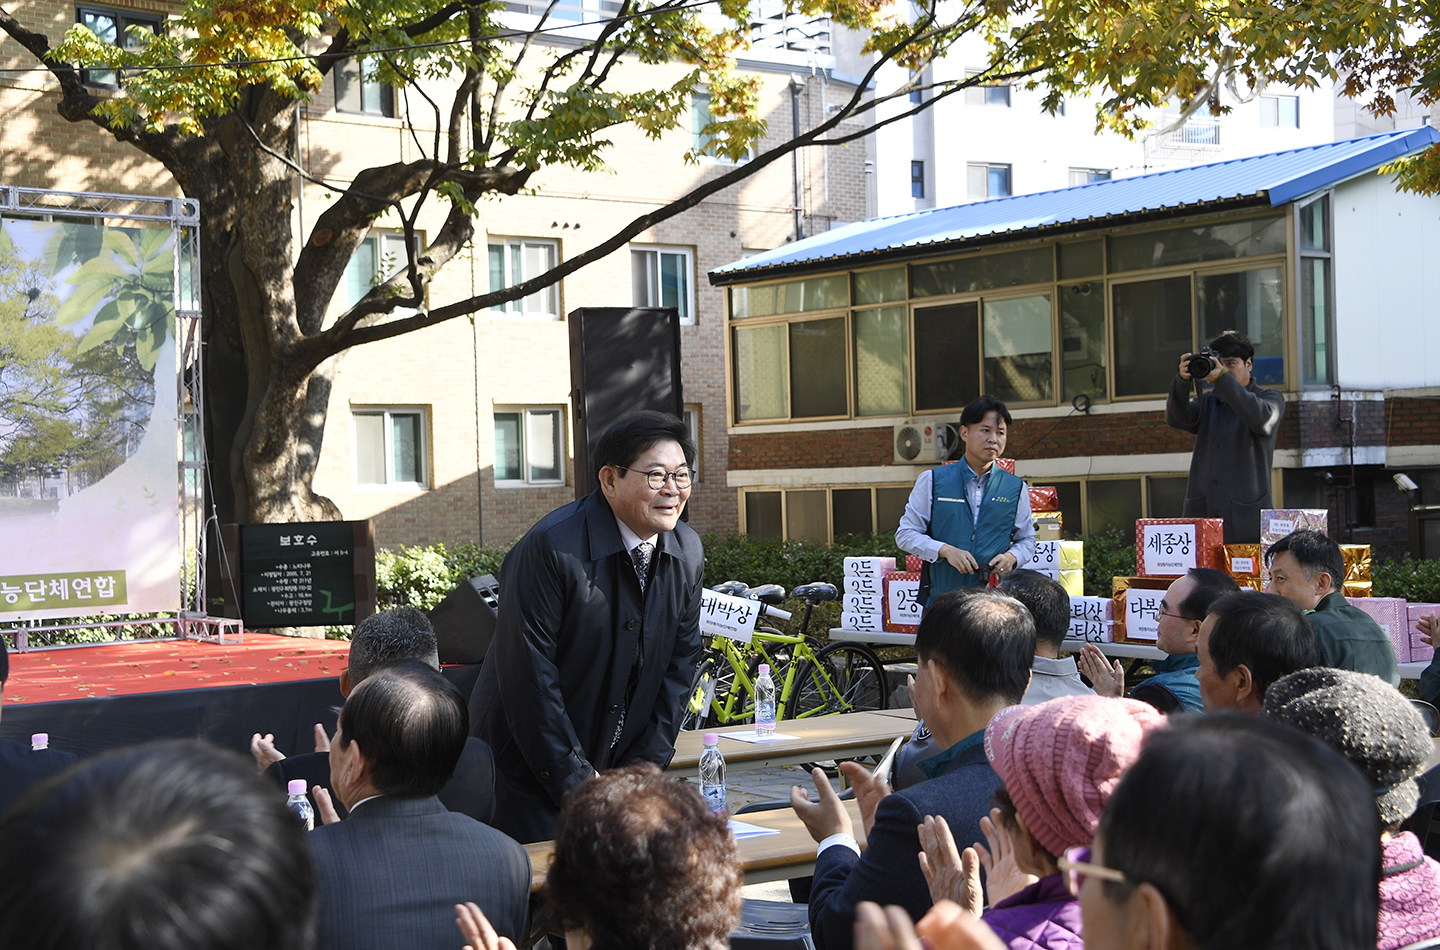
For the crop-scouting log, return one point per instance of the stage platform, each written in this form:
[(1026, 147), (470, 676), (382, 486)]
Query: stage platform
[(90, 699)]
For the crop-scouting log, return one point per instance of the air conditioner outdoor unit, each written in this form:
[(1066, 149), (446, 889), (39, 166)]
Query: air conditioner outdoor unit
[(923, 441)]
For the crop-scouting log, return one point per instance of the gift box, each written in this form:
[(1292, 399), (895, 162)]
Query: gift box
[(864, 584), (1007, 464), (902, 602), (1073, 582), (1168, 547), (1072, 555), (913, 562), (1048, 525), (1044, 498), (873, 566), (1392, 614), (1276, 523), (1046, 559), (857, 603), (1137, 608), (1357, 570), (865, 623), (1420, 651), (1242, 562), (1092, 619)]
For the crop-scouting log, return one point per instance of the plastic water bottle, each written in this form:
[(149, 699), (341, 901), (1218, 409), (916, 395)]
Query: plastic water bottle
[(712, 774), (764, 702), (40, 740), (299, 804)]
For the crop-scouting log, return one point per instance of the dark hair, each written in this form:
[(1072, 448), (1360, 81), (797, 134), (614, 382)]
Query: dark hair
[(1270, 838), (623, 442), (976, 412), (1209, 577), (411, 723), (1314, 551), (1047, 601), (1197, 604), (174, 845), (1266, 632), (1232, 344), (400, 633), (984, 639), (640, 862)]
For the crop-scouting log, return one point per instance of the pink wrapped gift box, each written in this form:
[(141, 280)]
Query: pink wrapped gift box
[(1390, 613), (1420, 651)]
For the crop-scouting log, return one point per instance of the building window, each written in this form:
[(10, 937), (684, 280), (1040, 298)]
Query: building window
[(1281, 111), (660, 277), (358, 90), (986, 94), (692, 422), (917, 179), (1084, 176), (529, 447), (916, 95), (516, 260), (988, 181), (389, 447), (1315, 318), (708, 143), (823, 514), (380, 255), (113, 27)]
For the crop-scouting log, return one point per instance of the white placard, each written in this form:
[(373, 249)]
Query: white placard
[(724, 616), (862, 603), (1046, 559), (904, 601), (869, 565), (864, 584), (1100, 609), (1242, 565), (862, 622), (1169, 548), (1095, 631), (1142, 613)]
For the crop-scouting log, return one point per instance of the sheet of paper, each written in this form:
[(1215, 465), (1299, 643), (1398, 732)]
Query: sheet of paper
[(743, 829), (750, 736), (726, 616)]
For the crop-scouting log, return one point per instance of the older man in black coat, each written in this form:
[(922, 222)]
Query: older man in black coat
[(598, 629)]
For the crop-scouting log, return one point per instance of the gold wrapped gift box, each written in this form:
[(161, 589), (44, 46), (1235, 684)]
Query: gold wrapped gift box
[(1242, 562), (1357, 570)]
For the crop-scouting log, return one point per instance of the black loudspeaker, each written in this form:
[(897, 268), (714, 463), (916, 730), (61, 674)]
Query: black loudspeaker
[(622, 360), (464, 621)]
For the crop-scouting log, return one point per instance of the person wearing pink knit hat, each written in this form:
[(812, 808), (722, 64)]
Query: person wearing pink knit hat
[(1058, 763)]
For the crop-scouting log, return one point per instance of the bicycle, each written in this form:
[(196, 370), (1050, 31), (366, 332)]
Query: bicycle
[(812, 679)]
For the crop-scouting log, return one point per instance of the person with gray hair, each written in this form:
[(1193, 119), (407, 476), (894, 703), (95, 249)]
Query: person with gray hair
[(1366, 720), (390, 636)]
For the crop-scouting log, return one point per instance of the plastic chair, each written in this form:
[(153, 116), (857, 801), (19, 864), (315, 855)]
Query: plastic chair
[(772, 925), (1430, 714), (1431, 944), (1425, 822)]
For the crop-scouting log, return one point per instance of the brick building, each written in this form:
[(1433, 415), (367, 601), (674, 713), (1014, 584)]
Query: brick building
[(462, 431), (1074, 306)]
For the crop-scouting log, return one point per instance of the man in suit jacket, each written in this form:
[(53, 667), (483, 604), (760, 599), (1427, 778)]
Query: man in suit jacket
[(598, 629), (391, 874), (973, 653), (20, 766), (401, 633)]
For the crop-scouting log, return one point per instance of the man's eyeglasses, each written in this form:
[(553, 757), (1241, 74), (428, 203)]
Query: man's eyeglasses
[(658, 478), (1075, 866), (1162, 612)]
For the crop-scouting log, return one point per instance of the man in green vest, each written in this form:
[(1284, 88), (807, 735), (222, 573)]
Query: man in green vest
[(970, 516)]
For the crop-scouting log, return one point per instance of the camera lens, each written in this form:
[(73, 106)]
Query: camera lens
[(1199, 366)]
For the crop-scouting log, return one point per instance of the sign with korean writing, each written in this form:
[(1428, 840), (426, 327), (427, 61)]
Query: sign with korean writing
[(864, 584), (1142, 613), (1169, 548), (1090, 619), (77, 592), (722, 615), (311, 573), (903, 601)]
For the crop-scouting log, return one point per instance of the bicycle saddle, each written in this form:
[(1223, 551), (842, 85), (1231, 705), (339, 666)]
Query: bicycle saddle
[(733, 588), (816, 592), (772, 594)]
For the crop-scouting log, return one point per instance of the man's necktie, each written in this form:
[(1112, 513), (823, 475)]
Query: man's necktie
[(641, 557)]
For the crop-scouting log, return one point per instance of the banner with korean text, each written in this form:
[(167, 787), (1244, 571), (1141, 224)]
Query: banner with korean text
[(89, 439)]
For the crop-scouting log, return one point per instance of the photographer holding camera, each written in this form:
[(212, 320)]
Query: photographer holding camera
[(1234, 425)]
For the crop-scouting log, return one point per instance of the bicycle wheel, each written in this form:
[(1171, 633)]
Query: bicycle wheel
[(842, 678), (697, 714)]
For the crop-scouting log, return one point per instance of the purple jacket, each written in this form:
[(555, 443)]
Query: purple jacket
[(1043, 916), (1409, 893)]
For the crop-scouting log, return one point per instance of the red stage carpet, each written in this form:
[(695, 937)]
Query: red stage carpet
[(129, 668)]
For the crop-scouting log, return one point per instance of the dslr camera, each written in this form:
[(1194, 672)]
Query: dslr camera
[(1202, 364)]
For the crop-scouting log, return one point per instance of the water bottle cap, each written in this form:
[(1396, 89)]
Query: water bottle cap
[(712, 738), (764, 668), (41, 739), (296, 786)]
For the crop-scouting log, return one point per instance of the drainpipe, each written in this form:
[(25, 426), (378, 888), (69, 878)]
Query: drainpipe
[(797, 83)]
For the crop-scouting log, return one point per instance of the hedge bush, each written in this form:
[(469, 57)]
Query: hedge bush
[(1416, 581)]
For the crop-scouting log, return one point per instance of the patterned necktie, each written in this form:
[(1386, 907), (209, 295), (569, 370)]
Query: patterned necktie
[(641, 557)]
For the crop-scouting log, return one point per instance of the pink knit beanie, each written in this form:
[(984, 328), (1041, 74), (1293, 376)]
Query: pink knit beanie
[(1061, 760)]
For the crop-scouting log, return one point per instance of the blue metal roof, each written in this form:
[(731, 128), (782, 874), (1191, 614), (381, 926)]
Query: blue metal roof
[(1273, 179)]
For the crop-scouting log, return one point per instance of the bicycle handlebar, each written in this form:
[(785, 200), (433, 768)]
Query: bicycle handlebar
[(767, 611)]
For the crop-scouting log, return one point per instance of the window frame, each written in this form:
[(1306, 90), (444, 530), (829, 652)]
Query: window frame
[(123, 20), (990, 166), (982, 91), (1092, 175), (524, 412), (695, 421), (388, 413), (829, 490), (1300, 255), (387, 92), (917, 178), (381, 237), (701, 143), (688, 316), (1267, 104), (514, 309)]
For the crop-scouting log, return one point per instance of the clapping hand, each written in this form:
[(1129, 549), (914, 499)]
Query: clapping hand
[(951, 875), (945, 927), (1003, 876), (1429, 628), (1108, 680), (827, 816), (477, 931), (869, 790)]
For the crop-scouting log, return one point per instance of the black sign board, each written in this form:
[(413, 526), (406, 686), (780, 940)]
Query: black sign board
[(308, 573)]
